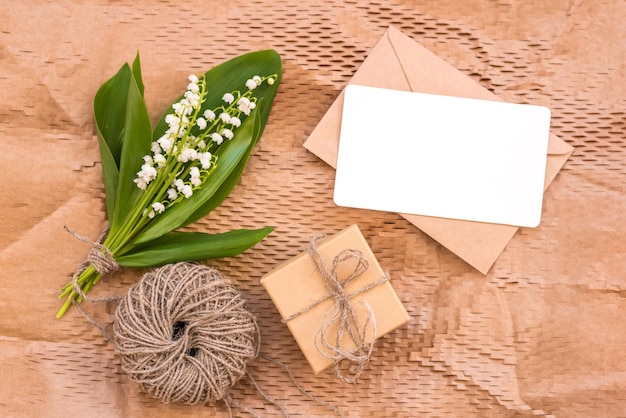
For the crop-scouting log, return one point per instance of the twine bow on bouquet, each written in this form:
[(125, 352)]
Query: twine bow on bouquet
[(157, 181)]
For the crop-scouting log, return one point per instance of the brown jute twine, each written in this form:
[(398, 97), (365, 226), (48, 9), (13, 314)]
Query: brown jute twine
[(100, 257), (184, 334), (340, 320)]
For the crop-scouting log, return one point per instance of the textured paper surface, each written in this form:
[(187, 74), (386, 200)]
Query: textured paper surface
[(297, 284), (542, 334), (444, 156)]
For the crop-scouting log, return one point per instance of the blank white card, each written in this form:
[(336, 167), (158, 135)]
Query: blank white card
[(442, 156)]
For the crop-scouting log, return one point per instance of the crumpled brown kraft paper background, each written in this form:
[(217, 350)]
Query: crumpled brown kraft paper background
[(543, 334)]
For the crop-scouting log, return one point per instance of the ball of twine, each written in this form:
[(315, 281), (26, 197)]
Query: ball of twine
[(184, 334)]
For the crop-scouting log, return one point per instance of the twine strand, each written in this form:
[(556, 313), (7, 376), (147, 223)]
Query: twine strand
[(302, 390), (342, 316)]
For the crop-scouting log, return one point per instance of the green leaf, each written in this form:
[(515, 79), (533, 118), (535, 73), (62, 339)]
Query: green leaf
[(191, 246), (110, 115), (137, 74), (110, 174), (136, 141), (110, 105)]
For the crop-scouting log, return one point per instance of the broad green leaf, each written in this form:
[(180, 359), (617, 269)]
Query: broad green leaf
[(110, 115), (110, 109), (110, 174), (191, 246), (136, 140)]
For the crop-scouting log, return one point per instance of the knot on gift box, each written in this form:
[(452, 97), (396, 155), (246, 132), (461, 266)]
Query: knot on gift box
[(341, 319)]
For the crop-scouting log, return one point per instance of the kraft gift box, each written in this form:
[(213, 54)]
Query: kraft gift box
[(297, 284)]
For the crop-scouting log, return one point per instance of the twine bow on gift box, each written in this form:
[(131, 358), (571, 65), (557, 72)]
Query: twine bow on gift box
[(342, 317)]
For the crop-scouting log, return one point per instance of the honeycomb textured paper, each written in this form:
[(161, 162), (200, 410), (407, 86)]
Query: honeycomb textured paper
[(542, 334)]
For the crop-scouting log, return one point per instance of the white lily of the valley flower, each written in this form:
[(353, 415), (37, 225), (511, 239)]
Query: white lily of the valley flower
[(205, 160), (225, 117), (235, 121), (217, 138), (158, 207), (140, 184), (193, 98), (194, 176), (165, 142), (147, 173), (193, 87), (227, 133), (159, 160), (245, 105), (228, 98), (186, 155), (187, 191), (209, 115), (201, 122)]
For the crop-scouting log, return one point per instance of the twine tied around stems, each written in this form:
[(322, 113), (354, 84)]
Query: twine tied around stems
[(341, 318), (100, 257)]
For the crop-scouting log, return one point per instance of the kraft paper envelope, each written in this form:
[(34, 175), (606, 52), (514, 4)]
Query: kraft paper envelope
[(397, 62)]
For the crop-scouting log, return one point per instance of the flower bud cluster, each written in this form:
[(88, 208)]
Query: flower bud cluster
[(184, 156)]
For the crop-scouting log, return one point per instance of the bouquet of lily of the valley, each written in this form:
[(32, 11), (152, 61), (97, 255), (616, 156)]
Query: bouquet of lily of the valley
[(157, 181)]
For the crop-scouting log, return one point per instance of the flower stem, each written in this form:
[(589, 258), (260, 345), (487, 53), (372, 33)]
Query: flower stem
[(86, 280)]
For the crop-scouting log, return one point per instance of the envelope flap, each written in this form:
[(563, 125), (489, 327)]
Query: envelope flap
[(381, 68), (557, 146), (427, 73)]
